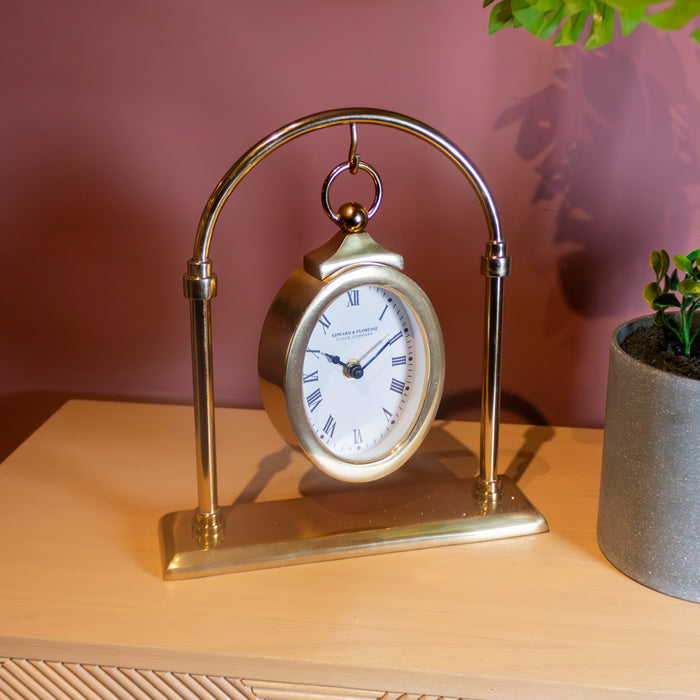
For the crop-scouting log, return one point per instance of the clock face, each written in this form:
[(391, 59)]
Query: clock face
[(364, 373)]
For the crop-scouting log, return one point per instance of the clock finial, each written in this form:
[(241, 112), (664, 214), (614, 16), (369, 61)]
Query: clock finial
[(352, 217)]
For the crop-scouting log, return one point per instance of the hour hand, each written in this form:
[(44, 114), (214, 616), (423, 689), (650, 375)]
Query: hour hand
[(335, 359), (352, 370)]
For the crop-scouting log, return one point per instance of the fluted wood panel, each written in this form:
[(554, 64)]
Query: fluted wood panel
[(25, 679)]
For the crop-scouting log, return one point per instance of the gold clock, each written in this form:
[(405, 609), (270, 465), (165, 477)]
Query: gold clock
[(351, 357), (351, 365)]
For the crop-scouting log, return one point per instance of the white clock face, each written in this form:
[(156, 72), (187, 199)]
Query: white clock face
[(364, 373)]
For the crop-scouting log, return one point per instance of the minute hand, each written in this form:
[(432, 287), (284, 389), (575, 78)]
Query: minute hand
[(389, 342)]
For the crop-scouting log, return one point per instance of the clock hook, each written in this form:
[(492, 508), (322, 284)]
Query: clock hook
[(353, 155), (368, 213)]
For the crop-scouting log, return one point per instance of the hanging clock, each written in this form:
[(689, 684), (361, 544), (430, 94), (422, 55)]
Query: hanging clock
[(351, 365), (351, 357)]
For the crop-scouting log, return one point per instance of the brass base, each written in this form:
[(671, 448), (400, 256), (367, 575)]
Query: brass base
[(348, 523)]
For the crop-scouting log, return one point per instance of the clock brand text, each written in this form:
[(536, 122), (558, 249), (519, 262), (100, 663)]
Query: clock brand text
[(358, 332)]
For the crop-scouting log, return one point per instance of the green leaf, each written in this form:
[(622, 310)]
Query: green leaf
[(666, 300), (671, 323), (574, 7), (553, 23), (571, 30), (501, 16), (651, 292), (630, 4), (630, 19), (683, 264), (545, 5), (660, 318), (542, 23), (659, 263), (533, 20), (673, 281), (602, 28), (676, 16), (695, 36), (693, 255), (689, 288)]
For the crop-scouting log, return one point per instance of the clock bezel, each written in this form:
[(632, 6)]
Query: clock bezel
[(297, 308)]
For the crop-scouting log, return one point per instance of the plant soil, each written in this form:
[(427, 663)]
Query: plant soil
[(658, 347)]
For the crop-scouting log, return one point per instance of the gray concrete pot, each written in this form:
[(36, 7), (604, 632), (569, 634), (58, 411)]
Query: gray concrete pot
[(649, 511)]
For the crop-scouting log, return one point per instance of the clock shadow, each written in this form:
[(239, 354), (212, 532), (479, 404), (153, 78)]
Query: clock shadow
[(430, 499), (268, 467), (441, 459)]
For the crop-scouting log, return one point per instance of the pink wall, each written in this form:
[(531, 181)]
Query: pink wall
[(119, 119)]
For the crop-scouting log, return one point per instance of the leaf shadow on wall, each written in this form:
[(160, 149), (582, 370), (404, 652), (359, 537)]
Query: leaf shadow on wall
[(611, 140)]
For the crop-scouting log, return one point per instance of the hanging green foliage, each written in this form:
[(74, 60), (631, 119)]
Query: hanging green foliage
[(567, 20)]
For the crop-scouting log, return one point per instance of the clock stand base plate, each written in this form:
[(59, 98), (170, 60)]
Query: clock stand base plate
[(344, 524)]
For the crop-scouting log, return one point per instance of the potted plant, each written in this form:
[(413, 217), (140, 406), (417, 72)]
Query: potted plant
[(649, 511)]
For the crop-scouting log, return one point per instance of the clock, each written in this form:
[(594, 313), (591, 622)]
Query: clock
[(351, 358), (351, 366)]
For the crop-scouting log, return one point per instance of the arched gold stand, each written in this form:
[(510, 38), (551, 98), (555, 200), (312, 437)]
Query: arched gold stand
[(216, 539)]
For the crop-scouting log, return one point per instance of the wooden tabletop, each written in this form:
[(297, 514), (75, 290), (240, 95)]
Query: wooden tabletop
[(531, 617)]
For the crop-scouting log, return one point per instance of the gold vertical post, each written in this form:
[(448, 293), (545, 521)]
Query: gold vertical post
[(200, 287), (495, 266)]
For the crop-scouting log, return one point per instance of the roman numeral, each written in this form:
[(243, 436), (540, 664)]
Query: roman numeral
[(325, 323), (395, 338), (397, 386), (311, 377), (381, 316), (354, 297), (313, 400), (329, 427), (315, 353), (396, 361), (387, 414), (356, 436)]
